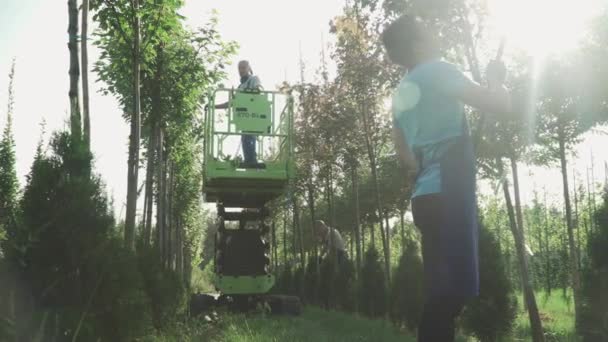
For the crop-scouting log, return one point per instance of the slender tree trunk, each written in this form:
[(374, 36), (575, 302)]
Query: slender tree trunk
[(576, 280), (329, 210), (170, 217), (179, 247), (294, 247), (275, 253), (75, 124), (589, 204), (160, 180), (388, 241), (355, 185), (153, 151), (576, 220), (285, 239), (134, 138), (362, 241), (311, 207), (298, 228), (372, 236), (548, 272), (594, 207), (518, 212), (402, 224), (85, 74), (372, 160), (149, 202), (535, 322)]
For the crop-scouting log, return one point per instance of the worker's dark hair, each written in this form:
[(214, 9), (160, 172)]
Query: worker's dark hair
[(244, 61), (400, 36)]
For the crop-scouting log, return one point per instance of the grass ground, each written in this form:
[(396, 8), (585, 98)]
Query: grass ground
[(557, 315), (319, 325), (313, 325)]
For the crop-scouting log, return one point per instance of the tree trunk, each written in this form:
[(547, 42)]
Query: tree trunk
[(576, 280), (85, 75), (275, 257), (179, 248), (134, 138), (298, 228), (402, 224), (149, 203), (285, 239), (372, 160), (187, 265), (75, 124), (294, 248), (546, 249), (362, 240), (518, 212), (160, 180), (355, 185), (311, 207), (593, 204), (155, 114), (170, 217), (576, 220), (372, 236), (520, 217), (328, 196), (535, 322), (589, 203)]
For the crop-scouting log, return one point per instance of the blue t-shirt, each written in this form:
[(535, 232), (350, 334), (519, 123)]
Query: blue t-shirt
[(430, 117)]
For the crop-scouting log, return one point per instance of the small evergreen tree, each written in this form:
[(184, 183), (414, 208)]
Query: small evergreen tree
[(372, 288), (311, 281), (594, 317), (407, 288), (491, 315), (8, 176)]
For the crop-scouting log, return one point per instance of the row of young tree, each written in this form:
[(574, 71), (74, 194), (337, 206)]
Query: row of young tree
[(349, 176), (68, 270)]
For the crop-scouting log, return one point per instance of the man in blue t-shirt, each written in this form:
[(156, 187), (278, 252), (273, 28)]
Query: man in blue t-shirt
[(432, 135)]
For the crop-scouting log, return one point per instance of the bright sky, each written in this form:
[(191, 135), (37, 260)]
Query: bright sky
[(270, 33)]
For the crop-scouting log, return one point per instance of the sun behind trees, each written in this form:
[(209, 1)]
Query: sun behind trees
[(71, 270)]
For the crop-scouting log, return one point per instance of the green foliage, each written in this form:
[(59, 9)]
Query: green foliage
[(62, 249), (311, 281), (201, 279), (407, 291), (337, 284), (8, 174), (594, 319), (166, 291), (284, 282), (491, 315), (121, 307), (372, 288), (328, 287)]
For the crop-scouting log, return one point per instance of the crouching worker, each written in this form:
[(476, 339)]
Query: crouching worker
[(432, 135), (332, 244)]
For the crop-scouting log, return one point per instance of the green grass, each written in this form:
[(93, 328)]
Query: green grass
[(318, 325), (557, 316), (313, 325)]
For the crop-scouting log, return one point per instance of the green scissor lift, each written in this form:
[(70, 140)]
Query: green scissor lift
[(241, 192)]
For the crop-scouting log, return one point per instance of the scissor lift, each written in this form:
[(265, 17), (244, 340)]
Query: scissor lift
[(242, 191)]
